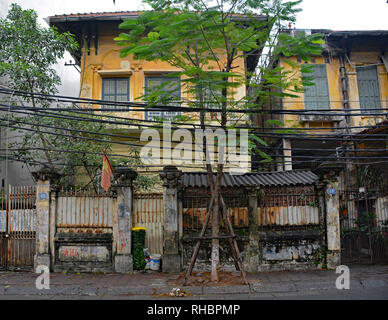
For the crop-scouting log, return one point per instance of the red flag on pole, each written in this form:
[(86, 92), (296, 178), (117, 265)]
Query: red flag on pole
[(106, 173)]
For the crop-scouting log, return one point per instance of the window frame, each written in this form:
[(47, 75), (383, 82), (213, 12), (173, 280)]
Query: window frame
[(166, 78), (316, 102), (103, 95), (364, 109)]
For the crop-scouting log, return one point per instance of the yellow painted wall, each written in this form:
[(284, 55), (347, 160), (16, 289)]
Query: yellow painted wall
[(108, 63), (333, 75)]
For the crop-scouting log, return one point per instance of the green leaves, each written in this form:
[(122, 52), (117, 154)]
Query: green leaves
[(211, 46), (259, 140), (300, 44), (29, 51)]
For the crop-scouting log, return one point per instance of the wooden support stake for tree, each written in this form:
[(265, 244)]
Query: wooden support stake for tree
[(232, 241), (238, 256), (198, 244), (224, 215)]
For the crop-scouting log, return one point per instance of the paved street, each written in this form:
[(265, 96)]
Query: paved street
[(366, 282)]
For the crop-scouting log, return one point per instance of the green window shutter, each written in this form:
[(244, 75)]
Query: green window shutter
[(368, 89), (115, 89), (317, 97), (174, 89)]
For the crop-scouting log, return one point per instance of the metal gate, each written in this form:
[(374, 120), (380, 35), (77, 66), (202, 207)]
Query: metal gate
[(149, 213), (364, 227), (17, 227)]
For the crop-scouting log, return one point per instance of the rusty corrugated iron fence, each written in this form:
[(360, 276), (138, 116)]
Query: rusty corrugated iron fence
[(280, 206), (17, 227), (84, 212), (195, 204), (148, 212), (288, 206)]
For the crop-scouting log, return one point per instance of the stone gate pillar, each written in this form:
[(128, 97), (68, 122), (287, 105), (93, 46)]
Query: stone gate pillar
[(44, 181), (252, 258), (320, 189), (171, 261), (332, 222), (123, 261)]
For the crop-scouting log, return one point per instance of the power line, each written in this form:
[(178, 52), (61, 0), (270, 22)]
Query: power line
[(316, 158), (133, 144), (137, 122), (35, 162), (167, 108), (299, 135), (263, 134)]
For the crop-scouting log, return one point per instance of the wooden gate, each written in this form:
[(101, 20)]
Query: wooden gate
[(17, 227), (149, 213)]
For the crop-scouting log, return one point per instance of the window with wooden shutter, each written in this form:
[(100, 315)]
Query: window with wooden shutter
[(368, 89), (115, 89), (172, 85), (212, 98), (316, 97)]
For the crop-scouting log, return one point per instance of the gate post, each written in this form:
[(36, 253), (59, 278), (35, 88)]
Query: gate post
[(333, 238), (171, 258), (44, 179), (123, 260), (320, 189), (252, 262)]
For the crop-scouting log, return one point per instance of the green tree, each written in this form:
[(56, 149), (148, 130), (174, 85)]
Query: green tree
[(207, 44), (28, 53)]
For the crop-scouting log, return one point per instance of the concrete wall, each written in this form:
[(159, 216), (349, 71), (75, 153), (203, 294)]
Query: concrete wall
[(82, 252), (287, 250)]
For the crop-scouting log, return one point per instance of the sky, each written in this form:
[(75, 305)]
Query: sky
[(316, 14)]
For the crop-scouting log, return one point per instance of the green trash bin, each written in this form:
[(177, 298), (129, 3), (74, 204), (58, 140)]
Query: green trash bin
[(138, 242)]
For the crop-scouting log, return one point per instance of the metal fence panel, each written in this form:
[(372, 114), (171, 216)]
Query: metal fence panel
[(288, 206), (195, 207), (382, 211), (17, 227), (85, 213), (149, 213), (364, 226)]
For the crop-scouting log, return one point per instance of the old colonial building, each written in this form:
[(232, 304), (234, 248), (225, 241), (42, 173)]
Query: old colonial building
[(106, 75), (339, 122), (349, 94)]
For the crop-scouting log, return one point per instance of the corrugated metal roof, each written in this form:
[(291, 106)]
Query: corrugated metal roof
[(117, 15), (103, 16), (377, 127), (98, 14), (281, 178)]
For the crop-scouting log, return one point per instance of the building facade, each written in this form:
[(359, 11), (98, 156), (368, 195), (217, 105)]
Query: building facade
[(107, 76), (349, 95)]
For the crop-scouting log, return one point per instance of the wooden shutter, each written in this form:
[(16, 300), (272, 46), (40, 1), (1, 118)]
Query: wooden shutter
[(317, 97), (154, 83), (115, 89), (368, 89)]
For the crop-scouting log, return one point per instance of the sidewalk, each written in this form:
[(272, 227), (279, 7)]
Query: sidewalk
[(21, 285)]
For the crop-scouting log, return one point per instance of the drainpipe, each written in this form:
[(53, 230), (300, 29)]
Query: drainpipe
[(344, 82), (349, 178)]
